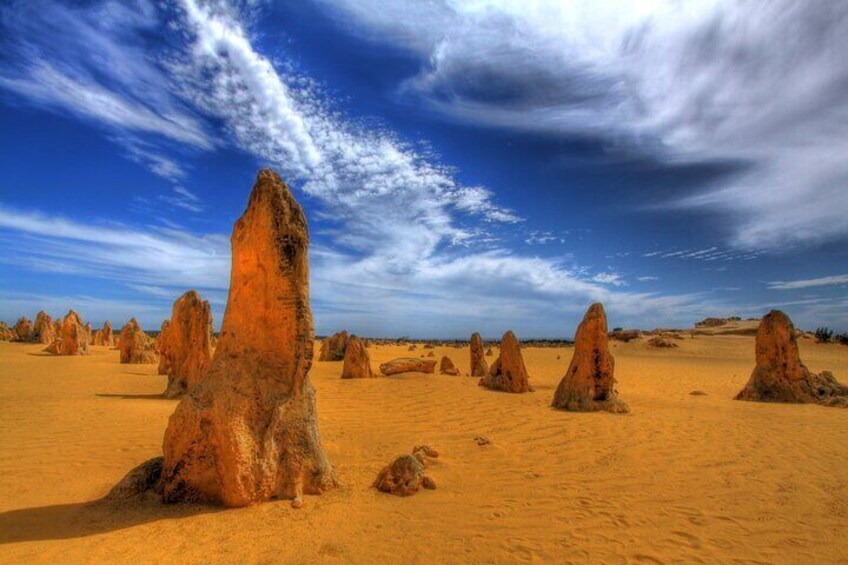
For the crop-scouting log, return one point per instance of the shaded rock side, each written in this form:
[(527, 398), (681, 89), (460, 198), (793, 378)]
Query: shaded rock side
[(780, 376), (589, 382), (508, 373), (248, 431)]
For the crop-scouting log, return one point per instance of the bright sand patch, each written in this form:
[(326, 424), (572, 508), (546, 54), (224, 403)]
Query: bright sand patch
[(683, 478)]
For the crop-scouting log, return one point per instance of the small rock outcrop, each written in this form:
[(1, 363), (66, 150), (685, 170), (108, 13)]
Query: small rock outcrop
[(405, 475), (43, 331), (508, 373), (589, 384), (357, 362), (188, 344), (135, 346), (779, 374), (407, 365), (479, 367), (73, 340), (248, 431), (104, 336), (625, 336), (22, 330), (489, 352), (661, 342), (6, 333), (333, 348), (446, 367)]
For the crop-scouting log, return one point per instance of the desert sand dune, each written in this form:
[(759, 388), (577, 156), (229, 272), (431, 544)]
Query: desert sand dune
[(682, 478)]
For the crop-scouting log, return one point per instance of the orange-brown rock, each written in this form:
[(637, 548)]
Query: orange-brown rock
[(248, 431), (405, 475), (73, 339), (43, 331), (104, 336), (357, 362), (160, 346), (508, 373), (136, 346), (589, 383), (479, 367), (188, 346), (625, 335), (779, 374), (22, 330), (407, 365), (661, 342), (446, 367), (6, 333), (87, 329), (489, 352), (333, 348)]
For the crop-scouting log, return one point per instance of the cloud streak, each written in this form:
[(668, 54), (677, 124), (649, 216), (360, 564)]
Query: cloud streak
[(759, 85)]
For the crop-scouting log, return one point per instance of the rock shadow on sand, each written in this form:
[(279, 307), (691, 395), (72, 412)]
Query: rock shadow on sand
[(83, 519), (157, 396)]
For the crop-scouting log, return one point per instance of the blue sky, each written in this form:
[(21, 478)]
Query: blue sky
[(465, 166)]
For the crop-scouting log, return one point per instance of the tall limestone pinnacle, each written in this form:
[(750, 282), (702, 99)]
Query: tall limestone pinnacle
[(248, 431)]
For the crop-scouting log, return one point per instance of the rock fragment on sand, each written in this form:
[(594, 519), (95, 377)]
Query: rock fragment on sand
[(446, 367), (589, 384), (508, 373), (188, 343), (135, 346), (333, 348), (357, 362), (482, 440), (405, 475), (779, 374), (479, 367), (407, 365), (248, 431), (660, 342)]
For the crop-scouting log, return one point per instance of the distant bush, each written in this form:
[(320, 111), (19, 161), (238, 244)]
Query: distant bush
[(824, 335), (841, 338)]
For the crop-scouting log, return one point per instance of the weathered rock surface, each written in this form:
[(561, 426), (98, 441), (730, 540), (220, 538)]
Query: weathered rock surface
[(779, 374), (104, 336), (135, 346), (357, 362), (405, 475), (508, 372), (72, 340), (22, 330), (333, 348), (43, 331), (248, 431), (188, 345), (625, 335), (446, 367), (661, 342), (161, 346), (407, 365), (589, 383), (479, 367)]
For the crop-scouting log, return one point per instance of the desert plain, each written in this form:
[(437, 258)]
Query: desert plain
[(681, 479)]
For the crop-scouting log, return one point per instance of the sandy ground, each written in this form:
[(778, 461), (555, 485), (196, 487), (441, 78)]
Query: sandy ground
[(682, 479)]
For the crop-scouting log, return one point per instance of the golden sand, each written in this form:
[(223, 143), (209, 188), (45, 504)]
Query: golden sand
[(681, 479)]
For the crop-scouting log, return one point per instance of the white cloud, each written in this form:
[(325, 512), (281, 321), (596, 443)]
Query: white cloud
[(832, 280), (647, 279), (614, 279), (760, 84)]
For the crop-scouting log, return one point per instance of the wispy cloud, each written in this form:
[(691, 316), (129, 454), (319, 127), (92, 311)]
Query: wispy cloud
[(832, 280), (760, 85)]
